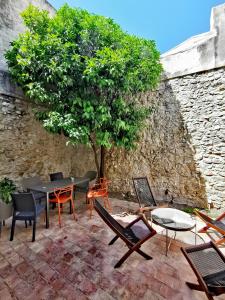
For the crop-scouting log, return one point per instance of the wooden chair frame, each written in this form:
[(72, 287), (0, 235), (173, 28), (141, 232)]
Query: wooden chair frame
[(202, 286), (210, 224), (107, 218)]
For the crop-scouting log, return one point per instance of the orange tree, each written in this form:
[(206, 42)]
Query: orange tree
[(87, 72)]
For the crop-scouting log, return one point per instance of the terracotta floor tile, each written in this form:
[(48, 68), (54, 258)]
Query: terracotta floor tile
[(75, 262)]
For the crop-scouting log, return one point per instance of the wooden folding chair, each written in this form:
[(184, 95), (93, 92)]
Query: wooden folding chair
[(134, 234), (208, 264), (218, 225)]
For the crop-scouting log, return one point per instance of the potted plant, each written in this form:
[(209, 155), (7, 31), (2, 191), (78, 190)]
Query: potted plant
[(6, 188)]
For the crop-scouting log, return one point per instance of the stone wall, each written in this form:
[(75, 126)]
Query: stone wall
[(182, 151), (26, 148)]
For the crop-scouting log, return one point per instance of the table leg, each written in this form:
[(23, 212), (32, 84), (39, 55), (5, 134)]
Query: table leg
[(47, 210), (195, 234), (166, 241)]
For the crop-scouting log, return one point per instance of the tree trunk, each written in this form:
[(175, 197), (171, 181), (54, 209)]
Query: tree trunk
[(94, 148), (102, 163)]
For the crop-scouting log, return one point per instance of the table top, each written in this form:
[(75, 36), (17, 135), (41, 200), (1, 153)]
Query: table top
[(174, 219), (49, 187)]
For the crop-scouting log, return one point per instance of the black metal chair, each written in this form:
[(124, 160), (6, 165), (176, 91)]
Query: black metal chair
[(56, 176), (134, 234), (84, 187), (27, 184), (25, 208), (208, 264), (144, 194)]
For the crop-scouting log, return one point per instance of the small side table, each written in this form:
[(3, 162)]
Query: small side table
[(173, 219)]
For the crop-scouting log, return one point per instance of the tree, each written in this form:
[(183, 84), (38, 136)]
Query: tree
[(87, 72)]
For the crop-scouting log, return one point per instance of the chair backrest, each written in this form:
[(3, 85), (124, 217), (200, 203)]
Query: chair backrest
[(23, 202), (91, 175), (31, 181), (208, 263), (143, 191), (108, 219), (68, 191), (56, 176)]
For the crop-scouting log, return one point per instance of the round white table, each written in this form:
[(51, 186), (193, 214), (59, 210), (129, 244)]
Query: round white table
[(173, 219)]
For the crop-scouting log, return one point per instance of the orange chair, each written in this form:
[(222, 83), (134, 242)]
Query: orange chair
[(99, 190), (63, 195)]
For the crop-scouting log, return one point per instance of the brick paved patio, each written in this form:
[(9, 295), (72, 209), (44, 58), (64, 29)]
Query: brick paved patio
[(75, 262)]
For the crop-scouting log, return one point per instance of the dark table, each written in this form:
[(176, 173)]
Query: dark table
[(49, 187)]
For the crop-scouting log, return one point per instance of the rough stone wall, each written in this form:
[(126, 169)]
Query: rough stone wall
[(182, 150), (26, 148)]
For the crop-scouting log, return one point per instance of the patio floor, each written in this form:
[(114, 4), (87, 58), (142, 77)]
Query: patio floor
[(75, 262)]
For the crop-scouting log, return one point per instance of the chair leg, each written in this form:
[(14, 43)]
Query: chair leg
[(194, 286), (59, 215), (204, 229), (220, 241), (34, 230), (146, 256), (30, 222), (198, 287), (46, 223), (25, 223), (108, 204), (113, 240), (87, 200), (73, 209), (123, 258), (91, 206), (3, 222), (12, 229)]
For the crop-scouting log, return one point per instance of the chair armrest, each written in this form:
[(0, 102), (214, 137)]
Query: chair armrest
[(134, 221), (147, 224), (203, 216), (220, 217)]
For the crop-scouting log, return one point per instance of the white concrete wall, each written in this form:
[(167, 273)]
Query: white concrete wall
[(11, 25), (199, 53)]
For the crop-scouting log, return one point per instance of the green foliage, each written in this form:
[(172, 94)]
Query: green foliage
[(6, 188), (87, 72), (189, 209)]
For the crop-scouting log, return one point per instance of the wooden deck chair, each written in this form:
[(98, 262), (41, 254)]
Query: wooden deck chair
[(208, 264), (134, 234), (144, 195), (218, 225)]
